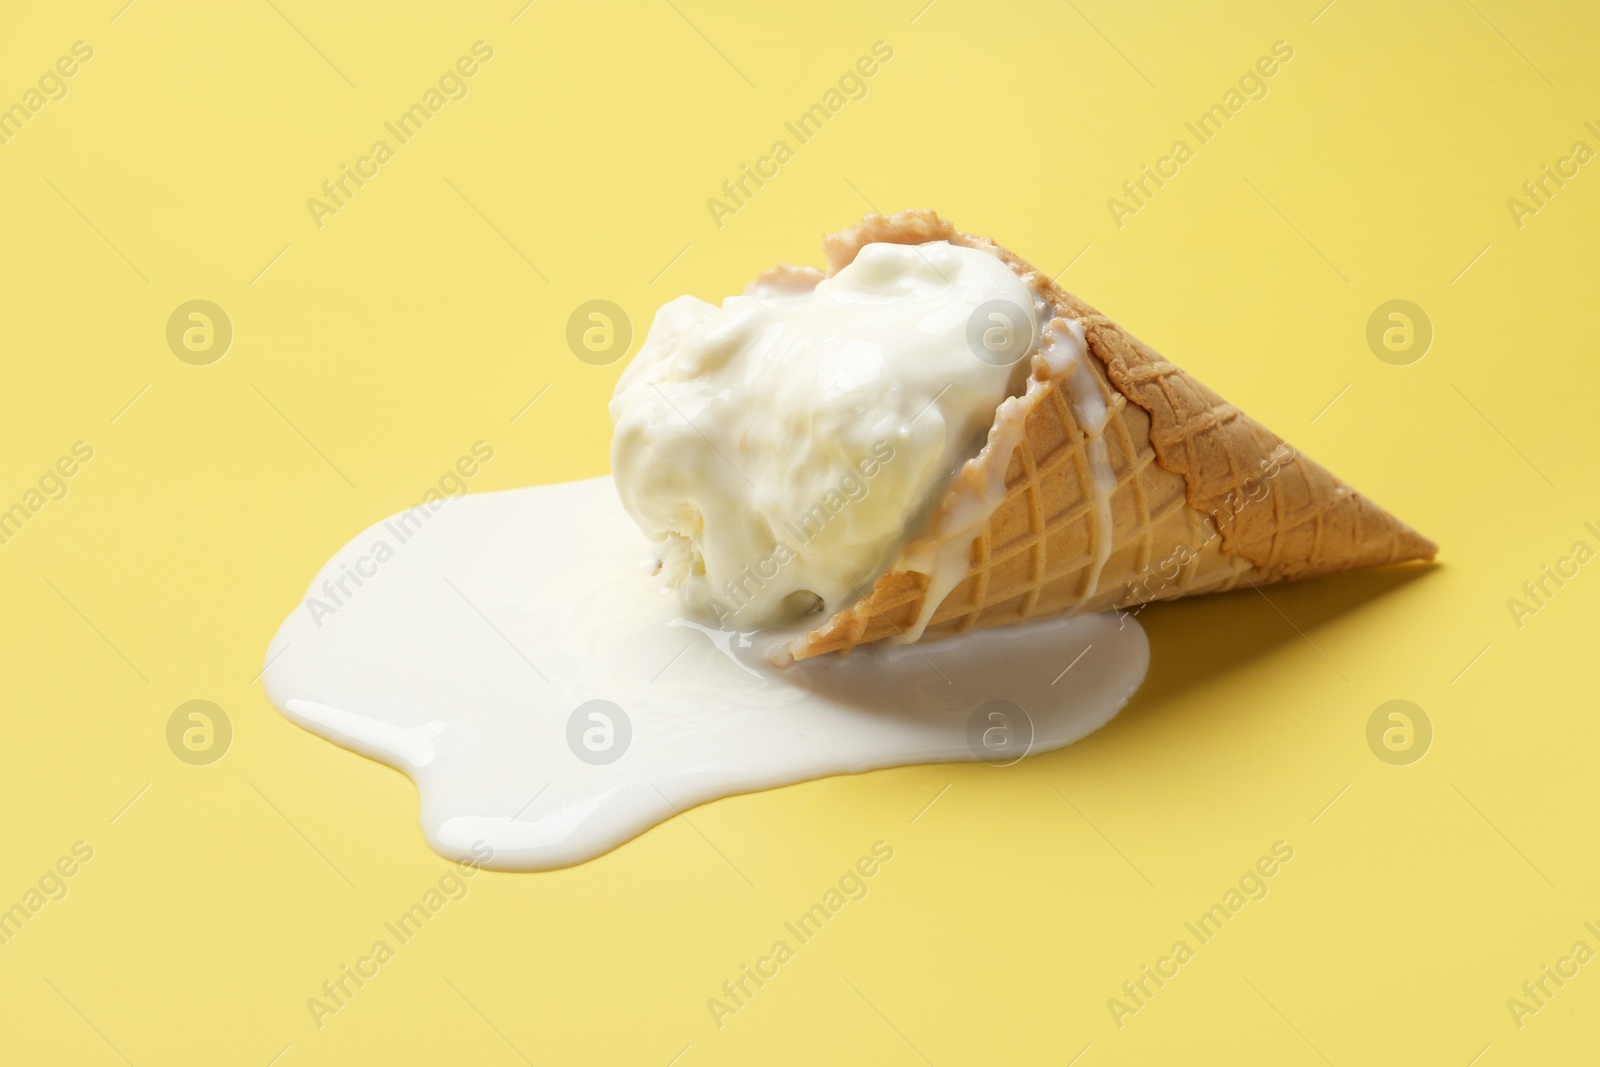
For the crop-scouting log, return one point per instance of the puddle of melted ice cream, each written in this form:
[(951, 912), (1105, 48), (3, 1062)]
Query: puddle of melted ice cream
[(508, 652)]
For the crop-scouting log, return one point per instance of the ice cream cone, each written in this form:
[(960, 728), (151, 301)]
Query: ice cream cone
[(1161, 489)]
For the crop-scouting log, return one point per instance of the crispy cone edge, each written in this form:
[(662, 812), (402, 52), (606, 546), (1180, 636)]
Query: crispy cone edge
[(1206, 497)]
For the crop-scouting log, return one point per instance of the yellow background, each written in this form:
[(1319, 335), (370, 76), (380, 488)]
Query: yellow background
[(428, 312)]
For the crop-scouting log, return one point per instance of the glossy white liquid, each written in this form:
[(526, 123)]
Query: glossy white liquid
[(472, 640)]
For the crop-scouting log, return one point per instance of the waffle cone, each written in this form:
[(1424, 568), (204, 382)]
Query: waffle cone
[(1205, 497)]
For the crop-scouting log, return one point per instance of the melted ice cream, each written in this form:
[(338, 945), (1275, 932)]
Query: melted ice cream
[(549, 702)]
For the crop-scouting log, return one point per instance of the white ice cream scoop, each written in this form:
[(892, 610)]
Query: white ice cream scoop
[(781, 448)]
